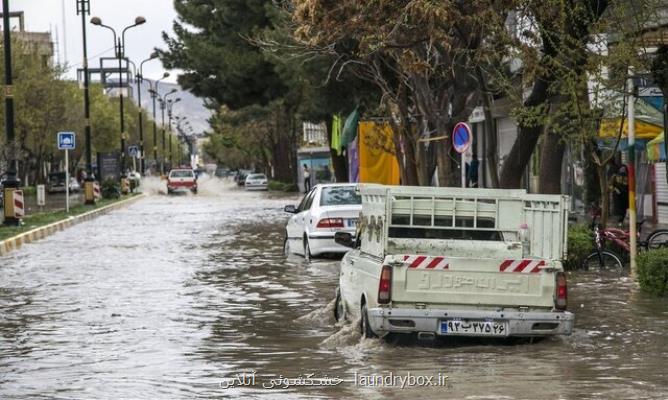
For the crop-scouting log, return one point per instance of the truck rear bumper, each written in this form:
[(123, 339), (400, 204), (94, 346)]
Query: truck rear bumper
[(516, 324)]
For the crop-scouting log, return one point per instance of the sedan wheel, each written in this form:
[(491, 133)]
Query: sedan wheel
[(307, 251), (286, 247)]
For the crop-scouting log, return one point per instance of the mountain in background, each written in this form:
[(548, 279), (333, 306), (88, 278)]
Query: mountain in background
[(190, 105)]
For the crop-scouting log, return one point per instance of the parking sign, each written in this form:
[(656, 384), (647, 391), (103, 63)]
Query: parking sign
[(66, 140)]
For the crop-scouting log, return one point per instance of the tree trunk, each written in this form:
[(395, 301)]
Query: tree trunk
[(491, 156), (552, 155), (527, 138), (605, 195), (406, 151)]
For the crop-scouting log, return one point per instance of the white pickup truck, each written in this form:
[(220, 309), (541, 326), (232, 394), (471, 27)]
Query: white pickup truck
[(456, 262)]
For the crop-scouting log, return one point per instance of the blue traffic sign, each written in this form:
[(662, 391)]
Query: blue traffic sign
[(133, 151), (66, 140), (461, 137)]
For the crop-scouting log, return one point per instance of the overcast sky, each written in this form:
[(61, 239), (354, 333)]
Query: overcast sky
[(47, 15)]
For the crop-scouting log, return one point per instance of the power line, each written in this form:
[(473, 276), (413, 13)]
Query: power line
[(69, 67)]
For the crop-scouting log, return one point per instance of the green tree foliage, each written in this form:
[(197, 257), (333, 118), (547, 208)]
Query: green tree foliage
[(45, 104), (211, 45), (235, 53)]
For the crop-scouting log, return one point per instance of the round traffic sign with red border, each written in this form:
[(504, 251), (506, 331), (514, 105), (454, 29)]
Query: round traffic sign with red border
[(461, 137)]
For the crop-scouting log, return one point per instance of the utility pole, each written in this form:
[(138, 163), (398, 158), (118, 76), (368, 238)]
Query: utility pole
[(631, 171), (83, 9), (12, 183)]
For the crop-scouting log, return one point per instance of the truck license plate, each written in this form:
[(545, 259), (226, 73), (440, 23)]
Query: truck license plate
[(474, 328)]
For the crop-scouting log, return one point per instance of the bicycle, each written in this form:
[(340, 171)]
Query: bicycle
[(605, 260)]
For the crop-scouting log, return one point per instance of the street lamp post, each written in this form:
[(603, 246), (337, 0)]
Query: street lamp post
[(154, 95), (163, 106), (140, 78), (11, 183), (170, 105), (83, 9), (119, 45)]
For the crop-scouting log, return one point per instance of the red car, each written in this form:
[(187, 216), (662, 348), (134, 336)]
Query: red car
[(181, 180)]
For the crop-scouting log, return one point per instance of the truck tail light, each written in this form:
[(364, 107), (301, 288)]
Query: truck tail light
[(562, 292), (330, 223), (385, 285)]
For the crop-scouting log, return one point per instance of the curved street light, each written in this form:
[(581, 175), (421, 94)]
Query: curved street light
[(153, 90), (140, 78), (163, 105), (119, 46)]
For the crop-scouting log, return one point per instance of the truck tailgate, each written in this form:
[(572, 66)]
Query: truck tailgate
[(432, 280)]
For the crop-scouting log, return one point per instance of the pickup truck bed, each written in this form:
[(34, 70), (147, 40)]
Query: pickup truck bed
[(450, 261)]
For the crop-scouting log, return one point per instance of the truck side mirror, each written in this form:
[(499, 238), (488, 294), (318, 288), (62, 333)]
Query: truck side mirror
[(344, 239), (290, 209)]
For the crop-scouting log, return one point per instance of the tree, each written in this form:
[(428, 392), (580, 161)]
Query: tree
[(219, 62), (420, 54)]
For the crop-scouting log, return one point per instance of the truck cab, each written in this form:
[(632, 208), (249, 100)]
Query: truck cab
[(456, 262)]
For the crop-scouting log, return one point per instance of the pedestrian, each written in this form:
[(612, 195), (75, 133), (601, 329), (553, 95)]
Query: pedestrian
[(307, 179), (473, 171), (620, 192)]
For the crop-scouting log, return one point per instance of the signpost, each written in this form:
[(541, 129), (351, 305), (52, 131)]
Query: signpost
[(461, 141), (108, 166), (67, 142), (133, 151), (41, 196)]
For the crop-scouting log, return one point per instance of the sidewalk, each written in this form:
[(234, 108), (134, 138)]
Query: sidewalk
[(40, 225)]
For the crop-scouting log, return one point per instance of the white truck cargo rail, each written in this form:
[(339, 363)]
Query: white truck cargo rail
[(463, 209)]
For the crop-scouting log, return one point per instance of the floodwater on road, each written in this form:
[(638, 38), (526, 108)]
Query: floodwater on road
[(174, 297)]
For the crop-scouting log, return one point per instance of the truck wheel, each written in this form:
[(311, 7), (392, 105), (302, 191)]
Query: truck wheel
[(339, 312), (367, 333)]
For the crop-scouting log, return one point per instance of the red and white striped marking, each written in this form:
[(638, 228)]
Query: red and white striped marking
[(97, 193), (19, 205), (426, 262), (522, 266)]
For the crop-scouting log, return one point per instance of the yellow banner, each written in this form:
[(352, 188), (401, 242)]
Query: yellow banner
[(378, 163)]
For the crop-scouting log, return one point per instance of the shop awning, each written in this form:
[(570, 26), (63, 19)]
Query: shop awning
[(656, 149), (648, 124), (644, 130)]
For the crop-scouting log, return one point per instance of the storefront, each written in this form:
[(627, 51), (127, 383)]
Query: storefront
[(318, 161), (656, 153)]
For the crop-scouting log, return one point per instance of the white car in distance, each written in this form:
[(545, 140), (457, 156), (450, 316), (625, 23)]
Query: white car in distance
[(256, 182), (323, 211)]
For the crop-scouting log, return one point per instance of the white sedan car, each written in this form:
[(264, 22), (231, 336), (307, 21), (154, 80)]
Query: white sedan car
[(323, 211), (256, 182)]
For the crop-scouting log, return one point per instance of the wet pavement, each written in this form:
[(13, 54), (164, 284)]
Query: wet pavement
[(172, 297)]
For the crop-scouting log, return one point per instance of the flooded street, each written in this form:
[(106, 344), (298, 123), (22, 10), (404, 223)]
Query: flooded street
[(171, 296)]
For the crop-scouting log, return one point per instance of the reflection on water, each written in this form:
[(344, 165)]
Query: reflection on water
[(167, 298)]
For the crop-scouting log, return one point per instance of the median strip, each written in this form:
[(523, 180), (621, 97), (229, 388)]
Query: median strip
[(41, 225)]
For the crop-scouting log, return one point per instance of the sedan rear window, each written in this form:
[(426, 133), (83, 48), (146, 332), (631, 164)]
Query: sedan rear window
[(257, 176), (340, 196), (181, 174)]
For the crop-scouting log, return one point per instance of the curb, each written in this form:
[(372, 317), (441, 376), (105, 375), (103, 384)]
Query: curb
[(13, 243)]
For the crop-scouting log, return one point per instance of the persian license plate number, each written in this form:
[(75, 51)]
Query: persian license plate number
[(474, 328)]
